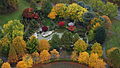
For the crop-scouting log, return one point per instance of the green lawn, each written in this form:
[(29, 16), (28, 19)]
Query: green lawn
[(15, 15), (114, 39)]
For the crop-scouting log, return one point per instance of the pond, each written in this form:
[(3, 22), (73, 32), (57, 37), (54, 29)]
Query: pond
[(61, 65)]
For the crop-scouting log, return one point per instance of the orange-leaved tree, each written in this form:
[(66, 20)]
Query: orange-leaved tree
[(44, 56), (83, 57), (43, 45), (21, 64), (6, 65), (54, 54)]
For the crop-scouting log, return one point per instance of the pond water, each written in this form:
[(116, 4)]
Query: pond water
[(61, 65)]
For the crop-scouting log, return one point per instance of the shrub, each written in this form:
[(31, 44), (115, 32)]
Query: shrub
[(80, 46), (87, 17)]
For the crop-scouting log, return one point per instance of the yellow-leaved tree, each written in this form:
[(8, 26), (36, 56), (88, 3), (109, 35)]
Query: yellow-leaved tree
[(54, 54), (6, 65), (43, 45), (74, 56), (19, 45), (80, 46), (44, 56), (21, 64), (83, 57), (97, 48), (28, 60), (96, 62)]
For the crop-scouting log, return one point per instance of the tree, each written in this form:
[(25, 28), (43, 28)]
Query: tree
[(44, 56), (7, 6), (83, 57), (100, 35), (114, 57), (13, 29), (66, 38), (12, 55), (80, 46), (97, 48), (21, 64), (28, 60), (19, 45), (55, 42), (54, 54), (76, 37), (36, 58), (43, 45), (96, 62), (31, 44), (4, 46), (74, 56), (6, 65)]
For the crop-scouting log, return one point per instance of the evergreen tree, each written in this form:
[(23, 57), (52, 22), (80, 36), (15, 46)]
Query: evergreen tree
[(55, 42)]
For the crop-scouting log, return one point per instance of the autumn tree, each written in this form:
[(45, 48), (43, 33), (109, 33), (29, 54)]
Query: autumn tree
[(31, 44), (36, 58), (96, 62), (28, 60), (80, 46), (97, 48), (44, 56), (114, 57), (74, 56), (6, 65), (21, 64), (55, 42), (4, 46), (43, 45), (13, 29), (19, 45), (83, 57), (7, 6), (54, 54), (12, 55)]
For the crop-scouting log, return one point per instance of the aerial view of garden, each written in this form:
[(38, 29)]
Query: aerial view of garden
[(59, 33)]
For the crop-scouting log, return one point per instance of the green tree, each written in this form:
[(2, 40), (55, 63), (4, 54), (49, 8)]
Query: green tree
[(76, 37), (55, 42), (31, 44)]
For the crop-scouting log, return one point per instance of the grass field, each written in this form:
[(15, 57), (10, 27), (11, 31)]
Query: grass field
[(15, 15), (114, 39)]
